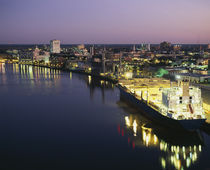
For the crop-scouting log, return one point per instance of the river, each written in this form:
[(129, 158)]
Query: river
[(57, 120)]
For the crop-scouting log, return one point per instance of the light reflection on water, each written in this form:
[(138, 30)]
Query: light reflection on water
[(31, 72), (177, 155), (99, 108), (26, 73)]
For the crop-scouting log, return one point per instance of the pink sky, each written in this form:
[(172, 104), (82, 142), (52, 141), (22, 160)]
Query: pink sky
[(104, 21)]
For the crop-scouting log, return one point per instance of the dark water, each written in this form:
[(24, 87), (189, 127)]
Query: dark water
[(55, 120)]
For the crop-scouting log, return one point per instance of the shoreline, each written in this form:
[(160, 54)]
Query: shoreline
[(114, 81), (206, 126)]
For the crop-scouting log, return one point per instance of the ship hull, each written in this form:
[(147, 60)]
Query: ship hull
[(157, 117)]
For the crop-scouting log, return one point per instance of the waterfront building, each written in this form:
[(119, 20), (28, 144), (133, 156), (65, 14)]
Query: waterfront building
[(177, 70), (55, 46), (39, 55), (25, 56), (101, 64)]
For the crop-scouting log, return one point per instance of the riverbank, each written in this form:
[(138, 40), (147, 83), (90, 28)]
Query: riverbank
[(101, 77), (106, 78)]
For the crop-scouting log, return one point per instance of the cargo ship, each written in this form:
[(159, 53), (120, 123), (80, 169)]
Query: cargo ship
[(175, 105)]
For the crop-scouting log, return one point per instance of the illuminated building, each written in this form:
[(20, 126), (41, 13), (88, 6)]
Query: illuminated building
[(145, 47), (134, 48), (55, 46), (25, 56), (148, 47), (195, 78), (39, 55), (92, 52), (177, 47), (81, 46)]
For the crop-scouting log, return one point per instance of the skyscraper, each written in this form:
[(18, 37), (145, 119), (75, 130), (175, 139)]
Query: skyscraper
[(148, 47), (92, 50), (55, 46), (134, 48)]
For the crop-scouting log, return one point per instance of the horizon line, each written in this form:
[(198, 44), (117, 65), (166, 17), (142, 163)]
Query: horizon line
[(104, 43)]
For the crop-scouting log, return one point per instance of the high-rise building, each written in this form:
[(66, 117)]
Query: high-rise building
[(134, 48), (208, 46), (92, 52), (148, 47), (145, 47), (55, 46)]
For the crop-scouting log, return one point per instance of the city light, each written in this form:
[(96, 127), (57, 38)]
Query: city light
[(150, 96)]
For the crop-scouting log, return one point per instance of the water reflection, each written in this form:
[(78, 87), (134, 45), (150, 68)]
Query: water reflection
[(63, 112), (177, 150), (94, 84), (35, 76), (29, 78), (31, 72)]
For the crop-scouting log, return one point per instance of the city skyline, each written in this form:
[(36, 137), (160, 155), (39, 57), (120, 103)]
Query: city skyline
[(104, 22)]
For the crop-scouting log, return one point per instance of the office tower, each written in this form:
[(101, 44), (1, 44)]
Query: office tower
[(92, 50), (55, 46), (148, 47), (134, 48)]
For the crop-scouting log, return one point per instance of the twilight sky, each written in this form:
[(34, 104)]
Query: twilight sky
[(104, 21)]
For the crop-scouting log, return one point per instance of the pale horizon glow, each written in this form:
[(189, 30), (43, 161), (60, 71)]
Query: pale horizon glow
[(104, 21)]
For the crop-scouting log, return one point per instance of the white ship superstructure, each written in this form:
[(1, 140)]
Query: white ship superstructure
[(183, 102)]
